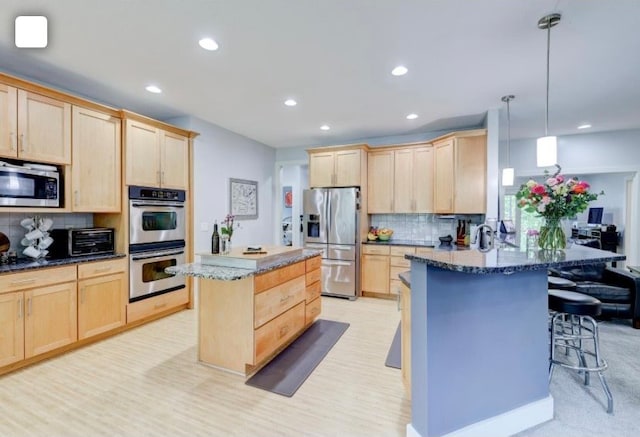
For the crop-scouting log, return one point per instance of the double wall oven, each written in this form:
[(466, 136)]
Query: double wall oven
[(156, 240)]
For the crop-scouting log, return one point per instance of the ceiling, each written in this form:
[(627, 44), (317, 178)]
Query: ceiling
[(335, 57)]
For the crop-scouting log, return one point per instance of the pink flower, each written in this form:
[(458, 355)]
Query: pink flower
[(538, 189), (542, 207), (546, 200), (552, 182)]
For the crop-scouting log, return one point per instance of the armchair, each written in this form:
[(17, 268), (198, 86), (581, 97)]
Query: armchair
[(617, 289)]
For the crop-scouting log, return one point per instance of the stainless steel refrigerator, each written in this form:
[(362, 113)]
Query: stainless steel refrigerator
[(331, 218)]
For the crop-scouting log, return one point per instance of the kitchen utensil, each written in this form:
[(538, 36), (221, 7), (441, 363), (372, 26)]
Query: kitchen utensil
[(31, 252), (45, 224), (34, 235), (27, 223)]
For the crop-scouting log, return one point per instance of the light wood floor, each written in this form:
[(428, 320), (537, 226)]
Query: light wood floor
[(146, 382)]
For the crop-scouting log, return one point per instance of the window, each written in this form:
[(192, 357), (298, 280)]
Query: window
[(523, 220)]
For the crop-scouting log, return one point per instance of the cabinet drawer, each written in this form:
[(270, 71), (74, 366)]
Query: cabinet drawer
[(313, 276), (277, 332), (399, 261), (370, 249), (37, 278), (101, 268), (278, 299), (313, 263), (313, 291), (401, 250), (157, 304), (276, 277), (312, 310), (395, 271)]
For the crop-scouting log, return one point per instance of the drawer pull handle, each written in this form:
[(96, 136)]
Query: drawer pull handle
[(19, 308), (159, 305), (29, 306), (285, 298), (23, 281), (284, 330)]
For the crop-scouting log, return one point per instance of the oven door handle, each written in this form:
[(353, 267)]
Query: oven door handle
[(156, 255), (156, 204)]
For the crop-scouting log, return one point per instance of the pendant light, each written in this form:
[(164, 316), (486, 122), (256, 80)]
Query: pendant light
[(508, 173), (547, 149)]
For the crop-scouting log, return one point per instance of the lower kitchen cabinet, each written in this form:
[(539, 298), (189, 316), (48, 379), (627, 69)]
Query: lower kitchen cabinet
[(11, 328), (101, 297), (313, 288), (157, 304)]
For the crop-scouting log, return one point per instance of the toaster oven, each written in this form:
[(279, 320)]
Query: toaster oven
[(81, 241)]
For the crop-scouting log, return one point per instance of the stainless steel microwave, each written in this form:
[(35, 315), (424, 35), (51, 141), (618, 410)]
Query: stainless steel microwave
[(29, 186)]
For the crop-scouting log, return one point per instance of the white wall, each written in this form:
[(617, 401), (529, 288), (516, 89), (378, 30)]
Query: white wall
[(220, 154)]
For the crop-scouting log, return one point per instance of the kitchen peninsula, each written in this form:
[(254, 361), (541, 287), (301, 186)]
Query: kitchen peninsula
[(479, 339), (246, 316)]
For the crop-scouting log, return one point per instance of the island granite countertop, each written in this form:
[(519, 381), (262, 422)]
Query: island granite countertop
[(233, 273), (512, 259), (24, 264)]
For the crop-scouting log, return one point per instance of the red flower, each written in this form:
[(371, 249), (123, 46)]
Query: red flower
[(538, 189), (580, 187)]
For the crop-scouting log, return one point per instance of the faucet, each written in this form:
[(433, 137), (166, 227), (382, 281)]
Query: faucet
[(484, 236)]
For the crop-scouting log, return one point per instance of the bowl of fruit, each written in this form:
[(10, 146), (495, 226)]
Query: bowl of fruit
[(384, 234)]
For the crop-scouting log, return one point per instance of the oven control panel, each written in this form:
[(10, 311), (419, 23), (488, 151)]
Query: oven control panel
[(148, 193)]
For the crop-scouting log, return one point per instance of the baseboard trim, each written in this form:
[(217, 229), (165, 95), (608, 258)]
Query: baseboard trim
[(505, 424)]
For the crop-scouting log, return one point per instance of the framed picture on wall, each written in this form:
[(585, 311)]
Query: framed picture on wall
[(243, 199)]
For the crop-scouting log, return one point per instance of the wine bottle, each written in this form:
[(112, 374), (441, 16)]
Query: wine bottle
[(215, 239)]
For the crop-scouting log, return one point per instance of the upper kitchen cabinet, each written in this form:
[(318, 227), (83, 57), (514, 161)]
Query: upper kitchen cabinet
[(413, 180), (338, 166), (156, 157), (460, 165), (96, 174), (380, 177), (34, 127)]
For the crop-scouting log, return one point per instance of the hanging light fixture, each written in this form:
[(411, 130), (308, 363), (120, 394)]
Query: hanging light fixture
[(547, 148), (508, 173)]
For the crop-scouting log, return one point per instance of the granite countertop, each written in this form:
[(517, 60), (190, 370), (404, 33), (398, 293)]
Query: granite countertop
[(24, 264), (405, 277), (393, 242), (512, 259), (233, 273)]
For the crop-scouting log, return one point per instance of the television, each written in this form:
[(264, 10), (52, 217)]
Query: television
[(595, 216)]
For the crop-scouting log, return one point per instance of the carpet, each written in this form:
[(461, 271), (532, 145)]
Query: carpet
[(394, 354), (286, 372)]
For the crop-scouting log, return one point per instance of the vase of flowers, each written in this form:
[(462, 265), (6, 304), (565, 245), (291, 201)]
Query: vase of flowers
[(555, 199), (227, 232)]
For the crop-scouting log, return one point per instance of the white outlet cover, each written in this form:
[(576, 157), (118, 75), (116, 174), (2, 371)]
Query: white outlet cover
[(204, 227)]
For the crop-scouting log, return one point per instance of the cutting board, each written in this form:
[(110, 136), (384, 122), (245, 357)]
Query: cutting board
[(239, 258)]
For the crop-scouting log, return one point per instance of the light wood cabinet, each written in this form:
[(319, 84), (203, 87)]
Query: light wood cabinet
[(102, 292), (11, 328), (265, 313), (460, 165), (34, 127), (155, 157), (398, 264), (380, 180), (335, 168), (152, 306), (413, 180), (96, 168), (375, 269)]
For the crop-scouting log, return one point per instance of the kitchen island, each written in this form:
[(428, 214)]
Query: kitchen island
[(246, 316), (479, 339)]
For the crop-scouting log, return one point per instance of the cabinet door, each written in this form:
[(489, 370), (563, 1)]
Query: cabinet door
[(403, 201), (423, 180), (444, 177), (101, 305), (44, 128), (174, 161), (11, 328), (375, 273), (321, 169), (142, 149), (380, 182), (347, 168), (8, 121), (51, 319), (470, 178), (95, 171)]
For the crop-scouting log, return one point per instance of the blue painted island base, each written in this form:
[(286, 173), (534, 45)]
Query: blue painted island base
[(479, 352)]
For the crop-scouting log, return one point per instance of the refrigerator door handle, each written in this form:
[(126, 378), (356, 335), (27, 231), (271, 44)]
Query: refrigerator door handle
[(337, 263)]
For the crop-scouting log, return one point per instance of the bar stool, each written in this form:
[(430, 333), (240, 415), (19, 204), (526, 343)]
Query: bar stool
[(573, 325), (558, 283)]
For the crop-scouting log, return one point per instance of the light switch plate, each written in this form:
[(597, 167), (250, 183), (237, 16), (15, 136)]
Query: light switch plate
[(204, 226)]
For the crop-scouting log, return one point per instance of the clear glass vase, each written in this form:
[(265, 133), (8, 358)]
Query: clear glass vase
[(552, 235)]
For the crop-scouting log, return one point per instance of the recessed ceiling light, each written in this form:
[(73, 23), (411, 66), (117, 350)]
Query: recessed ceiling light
[(208, 44), (400, 70), (584, 126), (290, 102), (325, 127), (412, 116), (153, 89)]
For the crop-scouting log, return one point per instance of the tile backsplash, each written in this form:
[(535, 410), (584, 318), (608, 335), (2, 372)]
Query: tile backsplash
[(419, 227), (10, 224)]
